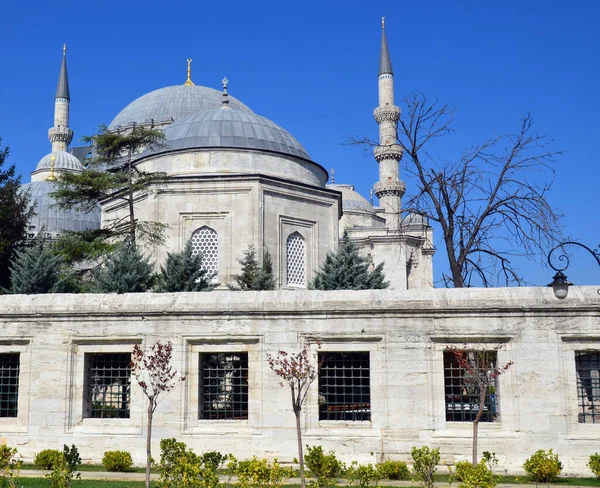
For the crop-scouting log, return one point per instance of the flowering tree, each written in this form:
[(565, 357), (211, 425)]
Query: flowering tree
[(480, 372), (155, 375), (298, 370)]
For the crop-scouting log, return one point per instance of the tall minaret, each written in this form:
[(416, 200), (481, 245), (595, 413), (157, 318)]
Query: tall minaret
[(60, 135), (389, 189)]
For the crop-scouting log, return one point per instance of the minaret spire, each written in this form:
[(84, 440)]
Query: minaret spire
[(60, 135), (389, 189), (189, 81)]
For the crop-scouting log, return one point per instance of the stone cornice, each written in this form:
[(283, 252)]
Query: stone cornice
[(395, 188), (388, 113), (390, 151)]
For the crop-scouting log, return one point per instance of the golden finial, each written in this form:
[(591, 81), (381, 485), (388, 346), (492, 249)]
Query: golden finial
[(52, 177), (383, 22), (189, 81)]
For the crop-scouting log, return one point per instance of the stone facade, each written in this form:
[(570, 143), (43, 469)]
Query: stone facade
[(404, 334)]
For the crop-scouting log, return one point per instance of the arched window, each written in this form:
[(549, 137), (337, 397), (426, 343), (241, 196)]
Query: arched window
[(296, 260), (206, 241)]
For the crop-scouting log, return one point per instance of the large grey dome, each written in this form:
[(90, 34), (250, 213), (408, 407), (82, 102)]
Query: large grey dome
[(55, 219), (352, 200), (174, 102), (62, 161), (229, 128)]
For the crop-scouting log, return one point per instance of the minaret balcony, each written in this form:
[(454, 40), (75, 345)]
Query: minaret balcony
[(60, 134), (388, 151), (395, 188), (387, 113)]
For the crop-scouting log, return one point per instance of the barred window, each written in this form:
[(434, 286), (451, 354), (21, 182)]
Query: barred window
[(223, 386), (107, 385), (462, 390), (296, 260), (587, 367), (9, 384), (344, 386), (206, 242)]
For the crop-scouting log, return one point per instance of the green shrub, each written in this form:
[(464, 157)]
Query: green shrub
[(117, 460), (47, 458), (181, 467), (10, 466), (259, 473), (214, 458), (393, 470), (63, 472), (425, 461), (543, 467), (479, 476), (325, 468), (362, 475), (594, 464)]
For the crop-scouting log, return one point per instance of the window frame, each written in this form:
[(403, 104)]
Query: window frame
[(215, 276), (21, 346), (594, 385), (302, 239)]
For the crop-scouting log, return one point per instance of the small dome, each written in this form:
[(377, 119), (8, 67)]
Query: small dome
[(174, 102), (55, 219), (229, 128), (63, 161), (352, 201)]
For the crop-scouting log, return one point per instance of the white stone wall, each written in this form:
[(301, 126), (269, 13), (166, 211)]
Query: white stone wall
[(405, 333)]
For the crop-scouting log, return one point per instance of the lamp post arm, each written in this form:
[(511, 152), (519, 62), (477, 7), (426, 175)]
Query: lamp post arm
[(565, 259)]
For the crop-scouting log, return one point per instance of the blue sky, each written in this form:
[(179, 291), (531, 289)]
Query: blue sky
[(311, 67)]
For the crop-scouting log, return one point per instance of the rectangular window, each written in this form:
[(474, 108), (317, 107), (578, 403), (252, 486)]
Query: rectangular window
[(9, 384), (587, 366), (462, 387), (107, 385), (223, 386), (344, 386)]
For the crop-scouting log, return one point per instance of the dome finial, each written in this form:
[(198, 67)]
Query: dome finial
[(65, 48), (225, 100), (52, 177), (383, 22), (332, 176), (189, 81)]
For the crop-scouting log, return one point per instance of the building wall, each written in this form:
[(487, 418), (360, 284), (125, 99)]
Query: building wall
[(405, 333)]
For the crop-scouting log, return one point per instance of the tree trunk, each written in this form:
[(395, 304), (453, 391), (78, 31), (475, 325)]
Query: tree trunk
[(300, 451), (132, 228), (476, 423), (148, 443)]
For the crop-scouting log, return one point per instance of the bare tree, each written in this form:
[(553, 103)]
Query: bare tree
[(298, 370), (490, 203), (155, 375), (479, 372)]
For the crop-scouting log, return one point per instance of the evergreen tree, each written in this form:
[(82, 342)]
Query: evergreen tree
[(254, 277), (14, 217), (184, 272), (126, 271), (346, 269), (38, 269)]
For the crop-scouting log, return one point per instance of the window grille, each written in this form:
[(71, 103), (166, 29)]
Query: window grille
[(9, 384), (587, 366), (462, 391), (224, 386), (296, 260), (206, 242), (108, 385), (344, 386)]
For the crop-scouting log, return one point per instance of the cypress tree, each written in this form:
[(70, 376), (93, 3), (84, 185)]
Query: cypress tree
[(126, 271), (346, 269), (266, 279), (184, 272), (254, 277)]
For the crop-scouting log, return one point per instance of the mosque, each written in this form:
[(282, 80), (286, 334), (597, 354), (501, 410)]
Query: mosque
[(386, 380), (240, 179)]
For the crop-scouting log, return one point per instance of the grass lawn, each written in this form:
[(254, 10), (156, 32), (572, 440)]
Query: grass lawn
[(45, 483)]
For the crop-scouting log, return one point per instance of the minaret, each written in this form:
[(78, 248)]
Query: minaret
[(389, 189), (60, 135)]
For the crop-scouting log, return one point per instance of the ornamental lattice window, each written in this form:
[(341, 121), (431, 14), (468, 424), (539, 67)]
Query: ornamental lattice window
[(107, 385), (344, 386), (223, 386), (462, 390), (296, 260), (587, 367), (9, 384), (205, 241)]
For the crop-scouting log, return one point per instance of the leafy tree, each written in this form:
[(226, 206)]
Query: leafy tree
[(38, 269), (126, 271), (155, 376), (255, 277), (346, 269), (112, 173), (298, 370), (15, 213), (183, 271), (480, 371)]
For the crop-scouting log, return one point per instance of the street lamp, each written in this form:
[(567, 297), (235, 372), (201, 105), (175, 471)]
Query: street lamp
[(560, 284)]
